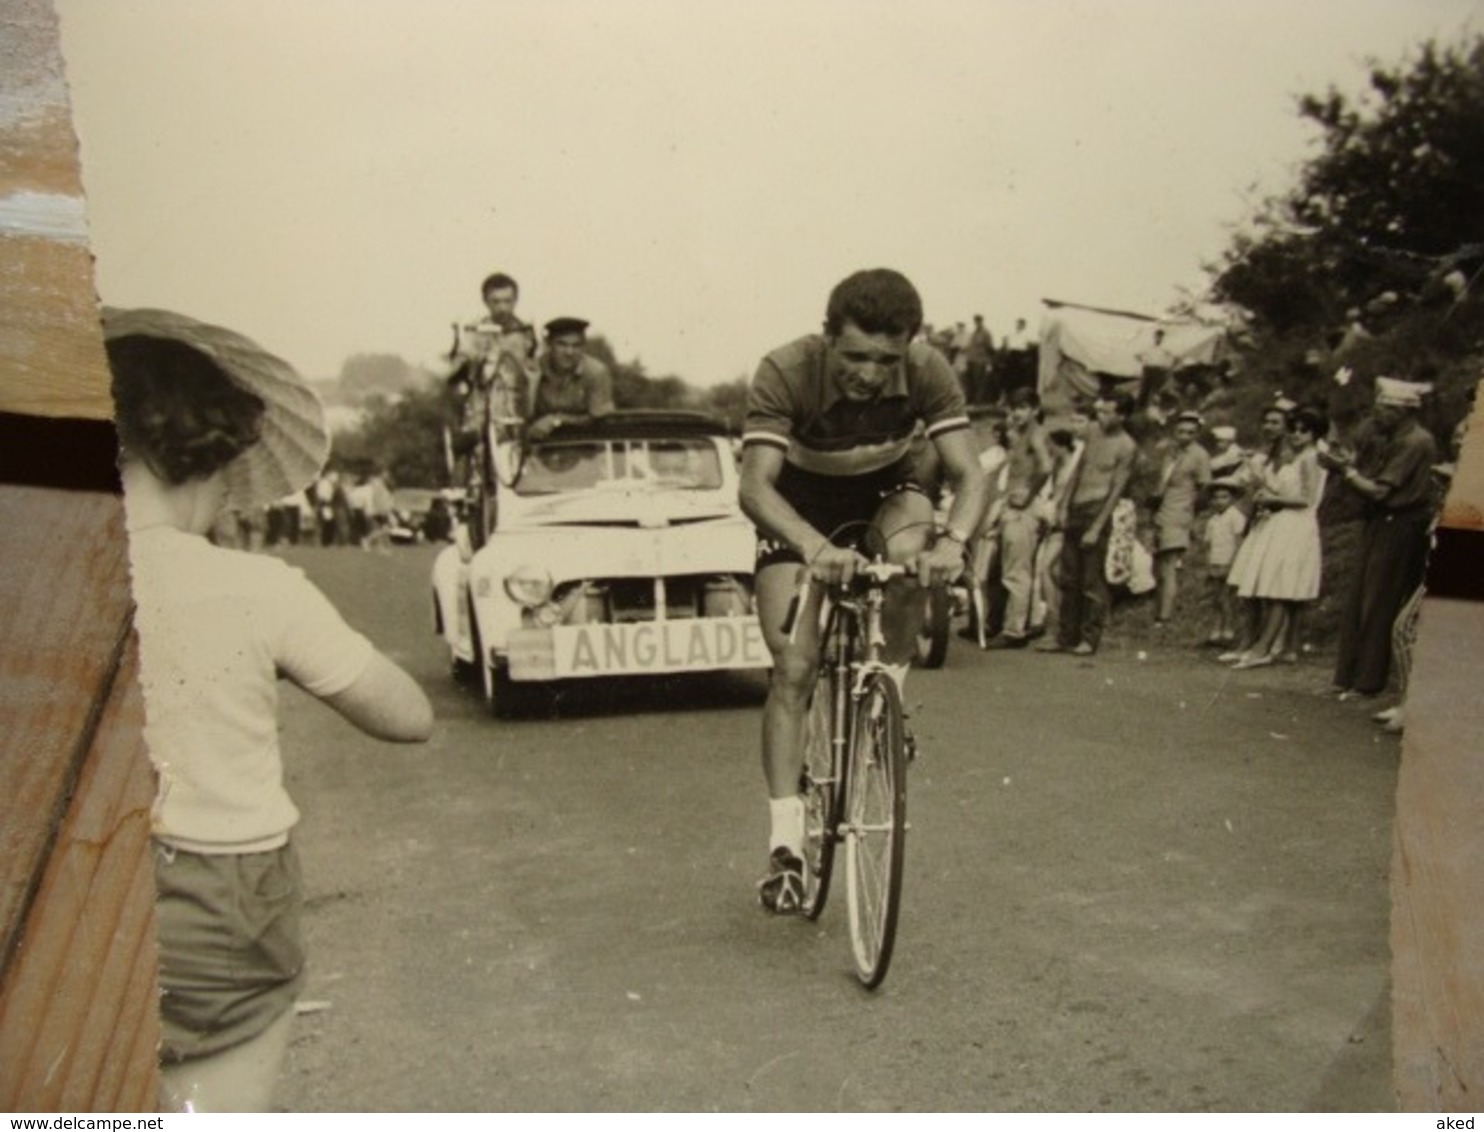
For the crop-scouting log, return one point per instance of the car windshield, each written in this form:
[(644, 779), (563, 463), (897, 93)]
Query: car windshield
[(683, 464)]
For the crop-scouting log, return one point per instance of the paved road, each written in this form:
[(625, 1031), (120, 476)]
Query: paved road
[(1140, 882)]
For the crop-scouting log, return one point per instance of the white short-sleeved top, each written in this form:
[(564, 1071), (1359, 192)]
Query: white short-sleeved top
[(217, 628)]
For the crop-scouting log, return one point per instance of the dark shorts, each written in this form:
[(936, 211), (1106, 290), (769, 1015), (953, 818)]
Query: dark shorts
[(231, 953), (839, 507)]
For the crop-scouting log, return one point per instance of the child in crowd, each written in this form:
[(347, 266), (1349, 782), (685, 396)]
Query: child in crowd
[(1224, 530)]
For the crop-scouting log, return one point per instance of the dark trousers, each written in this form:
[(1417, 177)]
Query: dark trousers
[(1084, 580), (1393, 558)]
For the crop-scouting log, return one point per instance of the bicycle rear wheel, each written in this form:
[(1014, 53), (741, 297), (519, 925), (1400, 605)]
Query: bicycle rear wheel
[(820, 787), (875, 826)]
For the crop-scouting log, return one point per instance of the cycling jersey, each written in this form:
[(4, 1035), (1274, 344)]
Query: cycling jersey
[(795, 405)]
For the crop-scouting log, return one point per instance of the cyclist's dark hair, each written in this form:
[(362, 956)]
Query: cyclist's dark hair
[(499, 281), (878, 300), (177, 410)]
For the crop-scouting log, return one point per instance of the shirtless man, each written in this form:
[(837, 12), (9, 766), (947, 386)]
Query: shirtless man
[(1028, 463), (1099, 483)]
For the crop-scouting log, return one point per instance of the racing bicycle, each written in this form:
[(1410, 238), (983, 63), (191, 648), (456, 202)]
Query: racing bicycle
[(499, 386), (856, 750)]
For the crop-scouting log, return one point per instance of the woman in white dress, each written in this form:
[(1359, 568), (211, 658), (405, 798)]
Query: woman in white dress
[(1280, 566)]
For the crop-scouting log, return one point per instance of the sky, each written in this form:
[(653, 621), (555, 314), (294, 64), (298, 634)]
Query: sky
[(334, 177)]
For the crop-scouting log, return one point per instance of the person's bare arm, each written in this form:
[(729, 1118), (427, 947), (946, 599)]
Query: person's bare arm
[(944, 560), (386, 703), (1041, 452)]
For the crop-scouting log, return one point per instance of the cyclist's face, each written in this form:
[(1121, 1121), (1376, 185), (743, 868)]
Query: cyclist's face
[(863, 364), (566, 352), (1185, 433), (500, 301)]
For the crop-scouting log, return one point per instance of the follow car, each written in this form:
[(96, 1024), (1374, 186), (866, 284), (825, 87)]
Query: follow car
[(620, 550)]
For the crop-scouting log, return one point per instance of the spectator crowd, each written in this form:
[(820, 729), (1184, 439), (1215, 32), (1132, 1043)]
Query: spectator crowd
[(1235, 539), (338, 509)]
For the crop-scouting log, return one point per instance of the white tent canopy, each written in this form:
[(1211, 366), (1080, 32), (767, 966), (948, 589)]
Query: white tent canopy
[(1081, 344)]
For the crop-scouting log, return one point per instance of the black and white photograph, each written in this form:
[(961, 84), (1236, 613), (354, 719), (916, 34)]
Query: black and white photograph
[(792, 557)]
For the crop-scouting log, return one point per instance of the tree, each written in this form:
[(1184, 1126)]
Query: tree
[(1372, 259), (404, 436), (1393, 200), (728, 401), (633, 388), (364, 376)]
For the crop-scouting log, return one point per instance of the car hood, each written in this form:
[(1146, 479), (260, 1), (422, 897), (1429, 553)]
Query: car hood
[(723, 544), (637, 506)]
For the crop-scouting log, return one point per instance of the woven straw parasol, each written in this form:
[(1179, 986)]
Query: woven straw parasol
[(295, 441)]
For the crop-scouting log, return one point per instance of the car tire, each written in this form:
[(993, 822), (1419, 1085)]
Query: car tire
[(465, 673), (932, 639), (504, 698), (507, 698)]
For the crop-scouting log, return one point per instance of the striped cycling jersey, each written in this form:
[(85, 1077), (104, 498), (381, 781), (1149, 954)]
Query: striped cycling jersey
[(794, 404)]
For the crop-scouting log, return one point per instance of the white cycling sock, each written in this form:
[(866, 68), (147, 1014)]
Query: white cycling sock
[(788, 824)]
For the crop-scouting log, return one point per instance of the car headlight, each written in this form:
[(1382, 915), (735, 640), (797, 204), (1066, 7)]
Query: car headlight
[(528, 586)]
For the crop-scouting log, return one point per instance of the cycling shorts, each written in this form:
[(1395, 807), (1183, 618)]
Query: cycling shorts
[(839, 507)]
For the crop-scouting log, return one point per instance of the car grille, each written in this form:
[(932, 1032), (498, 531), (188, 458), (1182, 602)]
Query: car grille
[(621, 600)]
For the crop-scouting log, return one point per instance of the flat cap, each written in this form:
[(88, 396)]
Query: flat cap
[(566, 325)]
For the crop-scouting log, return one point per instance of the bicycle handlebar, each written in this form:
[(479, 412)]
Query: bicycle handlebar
[(872, 574)]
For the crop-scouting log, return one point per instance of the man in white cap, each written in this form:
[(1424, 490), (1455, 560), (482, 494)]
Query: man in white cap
[(1392, 472)]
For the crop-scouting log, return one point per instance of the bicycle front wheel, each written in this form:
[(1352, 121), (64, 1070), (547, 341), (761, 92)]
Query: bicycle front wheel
[(875, 826), (820, 788)]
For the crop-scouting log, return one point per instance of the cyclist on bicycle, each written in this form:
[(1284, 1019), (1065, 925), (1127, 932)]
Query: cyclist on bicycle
[(570, 385), (826, 474)]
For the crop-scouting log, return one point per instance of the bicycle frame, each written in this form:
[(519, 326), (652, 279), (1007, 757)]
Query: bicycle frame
[(855, 677)]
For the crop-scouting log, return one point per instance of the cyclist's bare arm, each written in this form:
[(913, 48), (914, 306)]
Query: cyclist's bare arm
[(761, 466), (944, 560)]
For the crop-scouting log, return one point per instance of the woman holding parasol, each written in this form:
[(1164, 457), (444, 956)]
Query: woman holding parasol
[(208, 421)]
